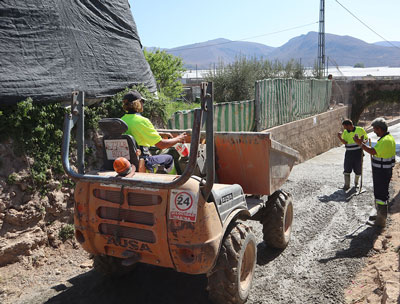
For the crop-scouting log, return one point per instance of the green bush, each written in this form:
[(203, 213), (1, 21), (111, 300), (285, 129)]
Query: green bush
[(37, 132), (154, 108), (12, 178), (66, 232)]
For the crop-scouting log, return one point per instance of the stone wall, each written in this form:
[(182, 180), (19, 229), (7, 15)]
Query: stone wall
[(314, 135)]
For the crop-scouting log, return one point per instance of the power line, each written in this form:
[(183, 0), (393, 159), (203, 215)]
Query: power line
[(243, 39), (363, 23)]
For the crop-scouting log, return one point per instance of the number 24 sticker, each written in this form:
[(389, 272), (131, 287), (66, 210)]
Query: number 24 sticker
[(183, 201), (183, 205)]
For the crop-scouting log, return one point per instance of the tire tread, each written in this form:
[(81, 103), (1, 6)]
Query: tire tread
[(273, 220), (222, 280)]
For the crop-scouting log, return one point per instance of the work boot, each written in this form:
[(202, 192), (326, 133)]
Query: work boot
[(346, 181), (381, 216), (372, 215), (356, 180)]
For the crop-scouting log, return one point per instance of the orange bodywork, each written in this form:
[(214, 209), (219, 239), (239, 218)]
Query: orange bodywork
[(147, 224), (240, 155), (136, 222)]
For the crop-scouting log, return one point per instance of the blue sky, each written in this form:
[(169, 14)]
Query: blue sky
[(172, 23)]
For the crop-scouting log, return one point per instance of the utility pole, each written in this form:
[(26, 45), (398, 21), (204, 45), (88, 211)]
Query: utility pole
[(321, 40), (327, 65)]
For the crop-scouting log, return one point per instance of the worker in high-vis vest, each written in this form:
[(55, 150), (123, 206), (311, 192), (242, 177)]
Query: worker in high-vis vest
[(383, 160), (146, 135), (353, 156)]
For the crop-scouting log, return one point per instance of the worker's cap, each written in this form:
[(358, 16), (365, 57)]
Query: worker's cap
[(132, 96), (122, 166), (380, 122)]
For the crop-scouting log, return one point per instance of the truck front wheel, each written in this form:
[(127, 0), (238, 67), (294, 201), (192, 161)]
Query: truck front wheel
[(231, 278), (277, 220)]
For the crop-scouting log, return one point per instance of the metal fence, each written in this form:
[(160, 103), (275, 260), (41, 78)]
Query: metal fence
[(277, 101)]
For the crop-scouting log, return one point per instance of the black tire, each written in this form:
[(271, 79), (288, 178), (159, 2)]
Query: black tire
[(277, 220), (110, 266), (230, 280)]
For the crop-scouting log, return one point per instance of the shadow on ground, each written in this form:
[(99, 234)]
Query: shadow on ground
[(146, 285), (338, 196), (360, 245), (266, 254)]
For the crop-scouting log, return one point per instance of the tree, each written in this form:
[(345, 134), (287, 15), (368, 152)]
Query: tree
[(167, 69), (235, 81)]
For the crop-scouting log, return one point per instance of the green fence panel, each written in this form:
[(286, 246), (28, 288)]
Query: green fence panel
[(280, 101), (285, 100), (228, 116)]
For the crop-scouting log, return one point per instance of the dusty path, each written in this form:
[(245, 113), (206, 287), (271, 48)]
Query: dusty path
[(318, 264), (320, 260)]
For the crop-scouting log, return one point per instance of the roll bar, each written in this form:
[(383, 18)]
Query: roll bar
[(208, 107), (77, 116)]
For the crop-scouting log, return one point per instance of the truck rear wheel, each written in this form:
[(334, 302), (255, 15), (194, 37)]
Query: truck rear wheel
[(277, 220), (231, 278), (110, 266)]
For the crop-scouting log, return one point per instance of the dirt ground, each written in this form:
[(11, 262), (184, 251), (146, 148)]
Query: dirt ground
[(326, 261), (45, 268)]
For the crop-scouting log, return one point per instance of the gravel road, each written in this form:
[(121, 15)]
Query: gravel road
[(324, 253), (328, 245)]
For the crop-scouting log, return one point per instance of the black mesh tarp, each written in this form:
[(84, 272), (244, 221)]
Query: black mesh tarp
[(48, 48)]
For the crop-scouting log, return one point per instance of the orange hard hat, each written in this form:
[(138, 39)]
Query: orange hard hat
[(122, 166)]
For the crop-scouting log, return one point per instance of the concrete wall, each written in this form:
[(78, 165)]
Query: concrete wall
[(314, 135)]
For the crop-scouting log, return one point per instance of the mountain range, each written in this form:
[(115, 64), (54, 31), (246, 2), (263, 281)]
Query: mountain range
[(339, 50)]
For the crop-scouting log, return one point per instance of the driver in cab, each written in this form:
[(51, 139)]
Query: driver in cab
[(146, 135)]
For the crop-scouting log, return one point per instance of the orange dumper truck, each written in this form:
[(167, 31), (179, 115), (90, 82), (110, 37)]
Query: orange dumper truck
[(195, 222)]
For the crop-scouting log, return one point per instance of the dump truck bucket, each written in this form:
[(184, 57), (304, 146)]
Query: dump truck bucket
[(253, 160)]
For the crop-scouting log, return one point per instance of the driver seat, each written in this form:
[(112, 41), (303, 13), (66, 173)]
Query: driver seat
[(116, 144)]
